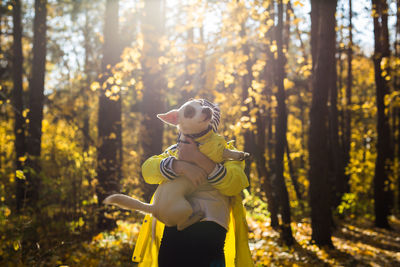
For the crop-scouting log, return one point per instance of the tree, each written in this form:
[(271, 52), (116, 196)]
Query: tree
[(265, 133), (280, 132), (323, 52), (109, 119), (265, 178), (246, 86), (86, 31), (348, 108), (36, 100), (19, 121), (382, 192), (337, 167), (341, 151), (153, 82), (188, 85), (397, 87)]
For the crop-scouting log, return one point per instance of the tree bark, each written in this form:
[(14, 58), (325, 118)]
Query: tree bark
[(382, 193), (246, 85), (294, 177), (349, 84), (36, 100), (315, 15), (87, 82), (200, 84), (109, 117), (188, 85), (19, 121), (397, 85), (265, 134), (342, 110), (154, 84), (323, 51), (280, 133), (337, 170), (265, 178)]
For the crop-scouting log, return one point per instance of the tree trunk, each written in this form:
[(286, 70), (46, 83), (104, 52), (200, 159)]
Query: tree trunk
[(36, 99), (294, 177), (3, 12), (342, 111), (109, 120), (382, 192), (280, 133), (300, 101), (323, 51), (304, 129), (265, 143), (315, 15), (259, 156), (337, 171), (203, 75), (397, 86), (348, 109), (154, 84), (246, 85), (85, 128), (19, 128), (340, 144), (188, 86)]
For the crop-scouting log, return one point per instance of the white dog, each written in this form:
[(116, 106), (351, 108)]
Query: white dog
[(170, 206)]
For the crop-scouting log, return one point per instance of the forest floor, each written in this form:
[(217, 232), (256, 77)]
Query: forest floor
[(356, 243)]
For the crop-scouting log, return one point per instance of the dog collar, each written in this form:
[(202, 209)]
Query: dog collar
[(198, 135), (194, 136)]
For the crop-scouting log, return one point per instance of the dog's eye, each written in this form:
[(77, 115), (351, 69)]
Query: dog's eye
[(189, 112)]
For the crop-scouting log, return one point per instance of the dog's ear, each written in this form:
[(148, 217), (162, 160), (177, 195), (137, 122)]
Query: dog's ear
[(171, 117)]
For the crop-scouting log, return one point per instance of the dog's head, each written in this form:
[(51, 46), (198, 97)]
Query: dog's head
[(193, 117)]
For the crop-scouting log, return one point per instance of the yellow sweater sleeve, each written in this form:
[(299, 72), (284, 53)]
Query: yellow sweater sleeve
[(153, 170), (230, 180), (235, 179)]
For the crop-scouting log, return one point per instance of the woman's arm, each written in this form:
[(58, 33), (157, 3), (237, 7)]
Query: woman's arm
[(191, 153), (229, 178), (158, 168), (166, 166), (191, 171)]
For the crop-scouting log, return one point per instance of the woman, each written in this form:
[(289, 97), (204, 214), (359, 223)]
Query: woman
[(220, 237)]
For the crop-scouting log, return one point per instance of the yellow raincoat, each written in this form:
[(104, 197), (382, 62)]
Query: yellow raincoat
[(237, 252)]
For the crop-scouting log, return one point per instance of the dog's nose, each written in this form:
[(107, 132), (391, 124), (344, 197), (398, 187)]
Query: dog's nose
[(208, 113)]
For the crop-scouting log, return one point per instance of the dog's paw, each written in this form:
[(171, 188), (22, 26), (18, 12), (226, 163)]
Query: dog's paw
[(245, 155)]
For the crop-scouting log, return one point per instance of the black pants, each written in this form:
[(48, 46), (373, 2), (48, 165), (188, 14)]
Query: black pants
[(199, 245)]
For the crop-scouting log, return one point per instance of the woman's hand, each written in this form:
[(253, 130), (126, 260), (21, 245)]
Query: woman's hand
[(188, 151), (192, 172), (191, 153)]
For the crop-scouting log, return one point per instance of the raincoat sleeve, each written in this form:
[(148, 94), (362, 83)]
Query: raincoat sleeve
[(230, 178), (157, 169)]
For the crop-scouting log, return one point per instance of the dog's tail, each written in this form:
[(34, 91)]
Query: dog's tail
[(127, 202)]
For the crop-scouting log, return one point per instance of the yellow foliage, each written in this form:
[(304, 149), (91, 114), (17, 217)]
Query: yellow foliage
[(288, 84), (94, 86), (20, 174), (298, 3)]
